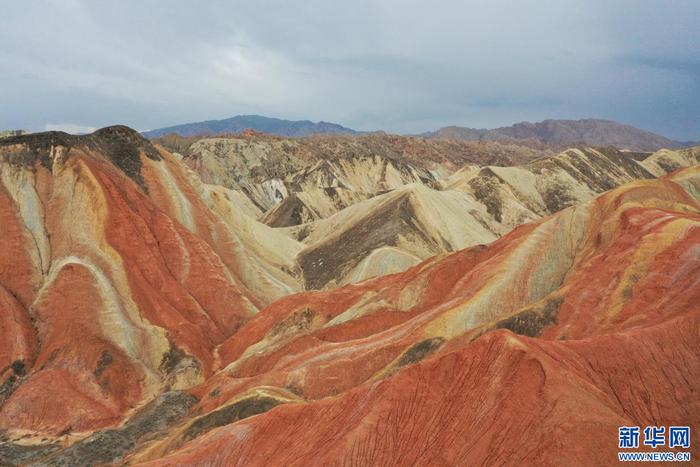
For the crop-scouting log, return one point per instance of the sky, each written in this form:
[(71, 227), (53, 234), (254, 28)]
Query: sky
[(402, 66)]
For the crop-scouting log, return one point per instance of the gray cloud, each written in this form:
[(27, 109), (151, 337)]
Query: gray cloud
[(399, 65)]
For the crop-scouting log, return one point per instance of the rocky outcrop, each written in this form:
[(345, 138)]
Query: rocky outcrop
[(332, 172), (367, 206), (390, 233), (513, 195), (665, 161), (476, 205)]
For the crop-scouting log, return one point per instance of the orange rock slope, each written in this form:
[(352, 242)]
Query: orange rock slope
[(117, 282), (143, 320), (532, 350)]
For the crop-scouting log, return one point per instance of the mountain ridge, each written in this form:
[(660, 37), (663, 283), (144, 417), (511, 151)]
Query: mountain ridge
[(239, 123), (546, 134), (587, 131)]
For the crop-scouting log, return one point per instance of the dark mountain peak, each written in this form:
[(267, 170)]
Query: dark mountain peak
[(46, 139), (118, 131), (119, 143)]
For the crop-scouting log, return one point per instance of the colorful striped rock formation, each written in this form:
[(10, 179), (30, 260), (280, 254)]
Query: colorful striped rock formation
[(383, 203), (390, 232), (148, 317), (532, 350), (120, 273)]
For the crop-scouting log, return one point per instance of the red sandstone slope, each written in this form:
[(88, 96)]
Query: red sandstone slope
[(611, 290), (108, 261)]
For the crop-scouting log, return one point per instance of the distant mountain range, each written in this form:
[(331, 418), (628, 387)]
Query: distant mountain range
[(558, 133), (273, 126), (589, 132)]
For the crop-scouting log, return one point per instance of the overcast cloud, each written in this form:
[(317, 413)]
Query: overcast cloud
[(402, 66)]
